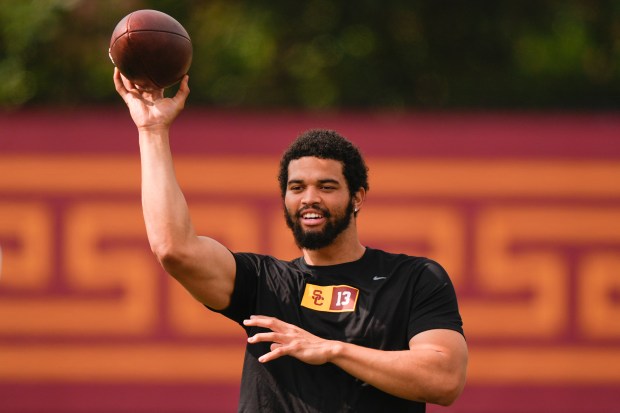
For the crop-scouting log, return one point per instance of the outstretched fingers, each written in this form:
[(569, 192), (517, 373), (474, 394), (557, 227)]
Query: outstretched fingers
[(119, 84), (126, 88), (149, 108), (288, 340), (181, 96), (262, 321)]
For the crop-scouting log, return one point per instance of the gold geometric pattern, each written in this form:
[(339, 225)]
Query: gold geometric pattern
[(533, 248)]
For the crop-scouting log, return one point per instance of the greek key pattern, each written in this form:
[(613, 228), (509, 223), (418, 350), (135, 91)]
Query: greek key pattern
[(533, 248)]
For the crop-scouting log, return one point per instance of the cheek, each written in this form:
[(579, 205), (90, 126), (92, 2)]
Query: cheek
[(290, 204), (344, 207)]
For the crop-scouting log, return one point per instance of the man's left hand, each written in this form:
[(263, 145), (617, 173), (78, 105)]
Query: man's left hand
[(289, 340)]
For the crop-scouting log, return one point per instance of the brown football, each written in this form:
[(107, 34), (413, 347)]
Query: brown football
[(151, 49)]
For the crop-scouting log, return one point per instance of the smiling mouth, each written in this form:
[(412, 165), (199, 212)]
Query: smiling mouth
[(311, 215)]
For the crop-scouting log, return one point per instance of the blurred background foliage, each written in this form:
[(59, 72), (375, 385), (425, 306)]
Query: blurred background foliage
[(322, 54)]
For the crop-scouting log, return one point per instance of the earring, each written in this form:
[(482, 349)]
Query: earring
[(356, 209)]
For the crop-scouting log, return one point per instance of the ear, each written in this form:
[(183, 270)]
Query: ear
[(358, 199)]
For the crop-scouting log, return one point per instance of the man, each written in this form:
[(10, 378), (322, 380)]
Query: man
[(344, 328)]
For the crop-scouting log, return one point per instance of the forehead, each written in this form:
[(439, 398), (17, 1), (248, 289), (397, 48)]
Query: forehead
[(310, 167)]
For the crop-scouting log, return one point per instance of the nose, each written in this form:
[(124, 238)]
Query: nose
[(310, 196)]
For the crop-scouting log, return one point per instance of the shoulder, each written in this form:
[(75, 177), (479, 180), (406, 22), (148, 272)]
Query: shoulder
[(412, 262), (418, 269), (263, 264), (438, 272)]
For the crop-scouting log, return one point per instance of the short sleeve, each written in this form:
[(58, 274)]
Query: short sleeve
[(434, 304), (243, 298)]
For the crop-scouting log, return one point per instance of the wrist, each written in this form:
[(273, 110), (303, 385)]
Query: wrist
[(153, 129), (336, 350), (154, 139), (152, 135)]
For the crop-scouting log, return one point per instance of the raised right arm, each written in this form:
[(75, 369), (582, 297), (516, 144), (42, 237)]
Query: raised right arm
[(202, 265)]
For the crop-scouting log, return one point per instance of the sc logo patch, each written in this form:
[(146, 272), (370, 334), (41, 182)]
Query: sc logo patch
[(330, 298)]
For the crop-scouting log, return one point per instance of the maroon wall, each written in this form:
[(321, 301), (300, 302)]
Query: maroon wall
[(522, 209)]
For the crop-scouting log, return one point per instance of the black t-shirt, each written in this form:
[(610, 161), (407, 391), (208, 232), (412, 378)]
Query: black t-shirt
[(380, 301)]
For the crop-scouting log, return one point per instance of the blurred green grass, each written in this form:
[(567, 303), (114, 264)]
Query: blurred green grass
[(321, 54)]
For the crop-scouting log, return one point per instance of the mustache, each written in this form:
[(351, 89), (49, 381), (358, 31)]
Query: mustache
[(324, 211)]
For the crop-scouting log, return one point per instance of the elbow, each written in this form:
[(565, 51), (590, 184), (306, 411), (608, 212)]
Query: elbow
[(444, 390), (451, 389), (452, 381), (449, 396), (169, 255)]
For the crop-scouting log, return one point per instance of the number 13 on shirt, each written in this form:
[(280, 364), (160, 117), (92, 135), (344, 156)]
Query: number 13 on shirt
[(330, 298)]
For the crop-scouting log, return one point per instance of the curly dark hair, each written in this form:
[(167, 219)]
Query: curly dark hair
[(327, 144)]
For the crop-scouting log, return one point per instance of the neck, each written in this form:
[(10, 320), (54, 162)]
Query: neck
[(345, 248)]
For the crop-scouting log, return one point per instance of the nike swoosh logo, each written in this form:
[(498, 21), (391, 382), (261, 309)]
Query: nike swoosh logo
[(376, 278)]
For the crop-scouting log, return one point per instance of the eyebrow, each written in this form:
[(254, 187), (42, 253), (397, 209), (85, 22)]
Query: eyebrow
[(321, 181)]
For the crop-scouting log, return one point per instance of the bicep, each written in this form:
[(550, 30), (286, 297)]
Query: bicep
[(450, 345), (207, 270)]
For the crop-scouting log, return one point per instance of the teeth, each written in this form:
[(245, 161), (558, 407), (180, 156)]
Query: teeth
[(312, 216)]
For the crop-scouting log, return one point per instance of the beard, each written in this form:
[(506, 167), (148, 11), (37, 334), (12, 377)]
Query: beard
[(314, 240)]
